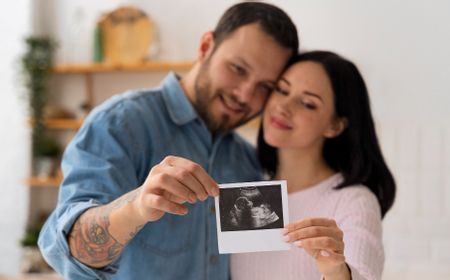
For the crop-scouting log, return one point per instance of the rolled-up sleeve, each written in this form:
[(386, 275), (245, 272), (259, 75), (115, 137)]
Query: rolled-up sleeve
[(55, 248), (98, 167)]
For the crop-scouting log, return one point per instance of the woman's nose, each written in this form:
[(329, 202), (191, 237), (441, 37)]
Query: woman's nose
[(284, 106)]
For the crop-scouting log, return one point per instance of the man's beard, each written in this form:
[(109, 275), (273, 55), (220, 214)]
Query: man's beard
[(203, 100)]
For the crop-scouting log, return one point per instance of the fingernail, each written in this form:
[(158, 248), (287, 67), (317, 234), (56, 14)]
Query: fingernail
[(192, 198), (298, 243), (284, 231), (324, 253), (286, 238), (216, 192)]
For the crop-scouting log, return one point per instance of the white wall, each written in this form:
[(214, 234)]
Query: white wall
[(14, 136), (401, 47)]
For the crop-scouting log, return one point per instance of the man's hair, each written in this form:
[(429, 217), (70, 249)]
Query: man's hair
[(274, 21)]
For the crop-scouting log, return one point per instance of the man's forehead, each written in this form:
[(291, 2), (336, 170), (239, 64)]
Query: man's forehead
[(267, 64), (256, 45), (265, 67)]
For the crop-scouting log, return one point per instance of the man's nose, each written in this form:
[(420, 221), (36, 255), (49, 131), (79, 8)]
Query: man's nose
[(245, 92)]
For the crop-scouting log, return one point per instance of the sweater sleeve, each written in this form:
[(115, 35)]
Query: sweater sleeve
[(358, 215)]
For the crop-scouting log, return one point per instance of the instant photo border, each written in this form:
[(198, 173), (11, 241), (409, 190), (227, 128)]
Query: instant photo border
[(253, 240)]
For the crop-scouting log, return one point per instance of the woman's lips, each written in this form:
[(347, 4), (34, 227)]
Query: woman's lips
[(279, 123)]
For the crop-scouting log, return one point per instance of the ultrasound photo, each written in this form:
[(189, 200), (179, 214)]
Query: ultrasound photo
[(250, 216), (251, 208)]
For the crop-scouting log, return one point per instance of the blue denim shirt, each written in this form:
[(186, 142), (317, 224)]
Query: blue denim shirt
[(113, 153)]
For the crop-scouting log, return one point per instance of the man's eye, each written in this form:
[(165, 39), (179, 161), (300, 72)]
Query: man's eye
[(266, 89), (281, 91), (238, 69)]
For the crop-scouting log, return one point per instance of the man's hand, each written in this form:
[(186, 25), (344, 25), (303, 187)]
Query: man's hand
[(171, 183), (100, 234)]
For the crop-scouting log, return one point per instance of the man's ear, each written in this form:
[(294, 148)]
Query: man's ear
[(206, 46), (336, 128)]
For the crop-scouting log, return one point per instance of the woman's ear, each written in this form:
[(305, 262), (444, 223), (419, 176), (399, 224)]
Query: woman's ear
[(337, 126), (206, 46)]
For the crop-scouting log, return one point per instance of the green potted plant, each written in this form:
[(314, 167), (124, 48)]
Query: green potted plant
[(32, 260), (31, 236), (46, 151), (36, 67)]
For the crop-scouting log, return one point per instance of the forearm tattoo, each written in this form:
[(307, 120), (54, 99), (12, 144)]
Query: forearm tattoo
[(90, 240)]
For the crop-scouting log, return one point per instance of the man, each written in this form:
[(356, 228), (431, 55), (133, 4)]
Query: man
[(136, 201)]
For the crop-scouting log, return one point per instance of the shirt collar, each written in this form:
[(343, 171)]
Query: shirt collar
[(180, 108)]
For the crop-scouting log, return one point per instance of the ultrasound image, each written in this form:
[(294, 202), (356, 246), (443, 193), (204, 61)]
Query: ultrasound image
[(251, 208)]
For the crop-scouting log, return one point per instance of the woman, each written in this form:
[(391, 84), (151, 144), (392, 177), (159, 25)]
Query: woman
[(318, 134)]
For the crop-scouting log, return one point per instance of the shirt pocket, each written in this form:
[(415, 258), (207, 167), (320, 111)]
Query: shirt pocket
[(168, 236)]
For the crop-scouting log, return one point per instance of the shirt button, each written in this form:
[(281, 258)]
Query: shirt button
[(212, 209), (213, 259)]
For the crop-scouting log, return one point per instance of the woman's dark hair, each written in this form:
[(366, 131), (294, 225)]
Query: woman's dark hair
[(355, 153), (274, 21)]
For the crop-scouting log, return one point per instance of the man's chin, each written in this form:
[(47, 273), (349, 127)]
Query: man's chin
[(227, 128), (222, 126)]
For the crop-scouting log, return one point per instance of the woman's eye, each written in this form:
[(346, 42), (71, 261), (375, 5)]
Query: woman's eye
[(301, 103), (309, 106)]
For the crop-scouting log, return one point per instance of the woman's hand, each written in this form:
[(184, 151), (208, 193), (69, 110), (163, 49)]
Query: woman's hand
[(323, 240)]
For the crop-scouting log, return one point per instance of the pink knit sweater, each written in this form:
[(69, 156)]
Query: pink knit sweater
[(357, 213)]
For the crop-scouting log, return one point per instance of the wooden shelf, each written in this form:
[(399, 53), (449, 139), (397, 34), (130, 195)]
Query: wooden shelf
[(88, 71), (32, 276), (103, 68), (73, 124), (44, 181), (63, 123)]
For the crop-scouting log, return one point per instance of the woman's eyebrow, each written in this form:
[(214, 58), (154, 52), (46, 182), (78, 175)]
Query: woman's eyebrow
[(313, 94)]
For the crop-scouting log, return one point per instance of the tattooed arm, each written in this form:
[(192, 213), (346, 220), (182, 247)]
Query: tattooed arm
[(100, 234)]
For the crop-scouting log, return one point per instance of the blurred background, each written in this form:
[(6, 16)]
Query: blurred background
[(401, 48)]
